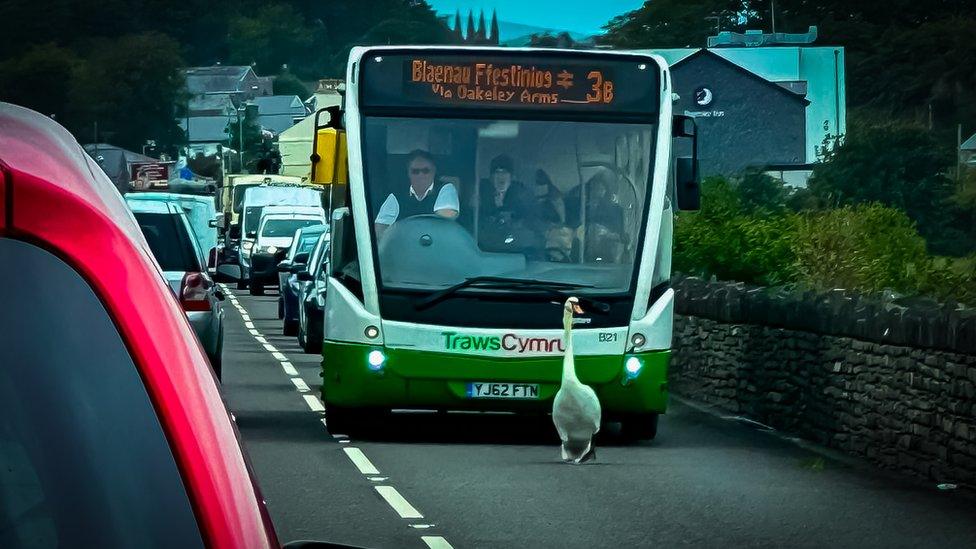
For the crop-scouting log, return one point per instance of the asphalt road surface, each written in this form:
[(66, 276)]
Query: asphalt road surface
[(472, 480)]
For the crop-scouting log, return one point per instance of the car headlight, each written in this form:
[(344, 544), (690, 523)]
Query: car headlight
[(247, 245), (270, 250)]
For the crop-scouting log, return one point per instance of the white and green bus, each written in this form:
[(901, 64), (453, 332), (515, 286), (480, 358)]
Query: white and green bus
[(486, 185)]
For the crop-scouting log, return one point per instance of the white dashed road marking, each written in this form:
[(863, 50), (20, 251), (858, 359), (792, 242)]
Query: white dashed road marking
[(398, 502), (436, 542), (356, 455), (314, 403), (361, 462)]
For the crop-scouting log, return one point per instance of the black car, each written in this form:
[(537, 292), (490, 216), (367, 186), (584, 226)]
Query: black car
[(311, 300)]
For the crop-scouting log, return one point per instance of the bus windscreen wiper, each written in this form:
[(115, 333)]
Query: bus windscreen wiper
[(558, 289)]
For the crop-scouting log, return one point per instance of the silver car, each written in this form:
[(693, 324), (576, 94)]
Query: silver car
[(172, 242)]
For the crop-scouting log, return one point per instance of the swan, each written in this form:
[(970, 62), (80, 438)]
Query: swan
[(576, 409)]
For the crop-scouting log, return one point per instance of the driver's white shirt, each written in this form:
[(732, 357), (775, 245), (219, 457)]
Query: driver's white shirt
[(447, 199)]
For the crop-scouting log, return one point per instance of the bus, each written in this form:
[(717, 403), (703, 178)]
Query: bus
[(560, 182)]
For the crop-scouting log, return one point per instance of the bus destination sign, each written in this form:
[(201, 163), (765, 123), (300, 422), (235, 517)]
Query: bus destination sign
[(513, 82)]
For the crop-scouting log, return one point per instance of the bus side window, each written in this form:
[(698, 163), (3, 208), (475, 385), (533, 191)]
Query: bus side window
[(343, 252)]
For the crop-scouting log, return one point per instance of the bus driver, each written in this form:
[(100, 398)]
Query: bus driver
[(424, 194)]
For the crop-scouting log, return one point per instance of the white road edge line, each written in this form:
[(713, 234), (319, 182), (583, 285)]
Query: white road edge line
[(249, 325), (398, 502), (314, 403), (270, 348), (436, 542), (289, 369), (361, 462), (279, 357), (300, 384), (254, 333), (260, 339)]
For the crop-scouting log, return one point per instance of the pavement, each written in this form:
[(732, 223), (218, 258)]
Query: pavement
[(480, 480)]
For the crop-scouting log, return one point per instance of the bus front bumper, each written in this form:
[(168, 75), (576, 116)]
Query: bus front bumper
[(428, 380)]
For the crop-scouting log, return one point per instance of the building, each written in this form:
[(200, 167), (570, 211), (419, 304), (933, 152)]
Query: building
[(967, 152), (207, 130), (218, 104), (277, 113), (237, 81), (116, 162), (783, 77)]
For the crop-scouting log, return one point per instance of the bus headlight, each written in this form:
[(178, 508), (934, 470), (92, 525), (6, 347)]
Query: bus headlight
[(632, 368), (372, 332), (376, 359)]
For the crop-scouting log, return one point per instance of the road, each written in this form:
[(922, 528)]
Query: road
[(497, 481)]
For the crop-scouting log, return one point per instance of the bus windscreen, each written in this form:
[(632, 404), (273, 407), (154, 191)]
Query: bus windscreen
[(541, 82)]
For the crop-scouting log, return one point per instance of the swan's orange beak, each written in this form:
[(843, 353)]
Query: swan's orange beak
[(577, 309)]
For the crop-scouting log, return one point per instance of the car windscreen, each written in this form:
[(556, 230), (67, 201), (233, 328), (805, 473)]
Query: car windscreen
[(239, 195), (169, 241), (286, 227)]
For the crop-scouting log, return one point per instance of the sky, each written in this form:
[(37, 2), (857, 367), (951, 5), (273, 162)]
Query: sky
[(583, 16)]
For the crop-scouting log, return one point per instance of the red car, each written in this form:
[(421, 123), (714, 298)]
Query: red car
[(112, 430)]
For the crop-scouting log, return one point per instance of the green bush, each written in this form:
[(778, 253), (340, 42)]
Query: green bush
[(868, 247), (726, 241)]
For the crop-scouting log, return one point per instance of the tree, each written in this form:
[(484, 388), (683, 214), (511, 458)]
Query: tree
[(40, 80), (896, 165), (676, 23), (287, 84), (271, 37), (131, 87), (253, 138)]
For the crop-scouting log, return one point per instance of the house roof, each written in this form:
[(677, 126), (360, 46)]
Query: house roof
[(969, 144), (219, 78), (211, 102), (206, 129), (278, 122), (781, 89), (279, 104)]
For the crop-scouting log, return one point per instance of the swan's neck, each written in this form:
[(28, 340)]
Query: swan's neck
[(569, 365)]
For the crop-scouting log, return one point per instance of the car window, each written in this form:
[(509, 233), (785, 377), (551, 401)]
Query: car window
[(85, 462), (286, 227), (169, 241)]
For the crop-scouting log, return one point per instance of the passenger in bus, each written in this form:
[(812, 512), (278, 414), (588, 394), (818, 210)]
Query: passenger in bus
[(424, 194), (600, 231), (505, 209), (550, 208)]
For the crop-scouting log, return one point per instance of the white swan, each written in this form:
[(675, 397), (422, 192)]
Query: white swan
[(576, 409)]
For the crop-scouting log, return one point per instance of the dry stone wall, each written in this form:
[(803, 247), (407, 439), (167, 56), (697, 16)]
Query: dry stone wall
[(906, 406)]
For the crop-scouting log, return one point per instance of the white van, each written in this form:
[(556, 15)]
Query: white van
[(273, 238), (255, 200)]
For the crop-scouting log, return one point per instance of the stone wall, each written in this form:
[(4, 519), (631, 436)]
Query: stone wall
[(904, 407)]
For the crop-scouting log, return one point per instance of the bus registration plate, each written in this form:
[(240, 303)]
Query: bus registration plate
[(480, 389)]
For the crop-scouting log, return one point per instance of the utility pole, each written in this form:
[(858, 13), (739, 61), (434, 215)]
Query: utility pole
[(958, 155), (772, 9)]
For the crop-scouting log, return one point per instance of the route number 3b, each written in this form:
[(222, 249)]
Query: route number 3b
[(602, 89)]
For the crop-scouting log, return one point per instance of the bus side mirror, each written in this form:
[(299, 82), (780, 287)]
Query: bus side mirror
[(686, 177), (686, 183)]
